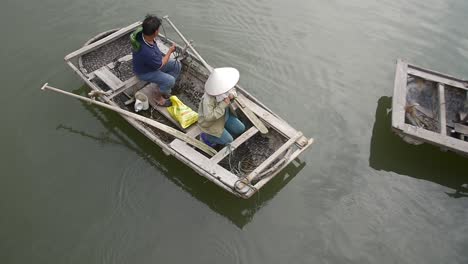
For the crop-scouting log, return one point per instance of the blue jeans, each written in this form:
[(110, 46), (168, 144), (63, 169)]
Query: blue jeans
[(233, 126), (164, 77)]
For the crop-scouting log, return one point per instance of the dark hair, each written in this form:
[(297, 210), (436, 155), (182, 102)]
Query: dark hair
[(151, 24)]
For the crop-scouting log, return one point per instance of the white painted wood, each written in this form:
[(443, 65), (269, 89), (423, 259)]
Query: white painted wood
[(273, 157), (251, 116), (293, 156), (234, 145), (399, 94), (458, 128), (442, 110), (102, 42), (435, 138), (436, 78), (204, 163), (274, 122), (193, 131), (109, 78)]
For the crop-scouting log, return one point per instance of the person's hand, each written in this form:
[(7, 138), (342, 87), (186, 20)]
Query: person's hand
[(227, 100), (172, 48)]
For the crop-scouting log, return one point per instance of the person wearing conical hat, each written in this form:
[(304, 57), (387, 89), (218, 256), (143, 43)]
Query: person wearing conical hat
[(218, 124)]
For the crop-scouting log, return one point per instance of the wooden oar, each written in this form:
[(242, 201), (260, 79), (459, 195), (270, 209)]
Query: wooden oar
[(171, 131), (248, 113)]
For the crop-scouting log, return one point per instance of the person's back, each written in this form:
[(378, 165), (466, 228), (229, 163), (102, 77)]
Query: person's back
[(147, 59)]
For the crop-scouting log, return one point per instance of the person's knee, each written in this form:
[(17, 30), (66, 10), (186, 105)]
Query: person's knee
[(167, 85), (238, 128), (169, 82), (228, 140)]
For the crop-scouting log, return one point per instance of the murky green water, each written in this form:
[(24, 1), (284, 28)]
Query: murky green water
[(79, 185)]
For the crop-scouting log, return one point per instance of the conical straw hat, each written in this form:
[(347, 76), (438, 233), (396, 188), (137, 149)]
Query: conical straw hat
[(221, 80)]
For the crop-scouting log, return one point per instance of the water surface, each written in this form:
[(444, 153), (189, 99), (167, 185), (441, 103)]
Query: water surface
[(79, 185)]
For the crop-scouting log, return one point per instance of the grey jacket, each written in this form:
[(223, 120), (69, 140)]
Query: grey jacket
[(211, 115)]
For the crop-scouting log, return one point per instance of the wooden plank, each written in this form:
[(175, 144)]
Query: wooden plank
[(280, 125), (102, 42), (273, 157), (204, 163), (442, 110), (399, 94), (437, 78), (133, 82), (435, 138), (109, 78), (251, 116), (193, 131), (460, 128), (293, 156), (235, 144)]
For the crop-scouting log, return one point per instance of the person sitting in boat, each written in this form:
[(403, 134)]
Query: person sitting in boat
[(218, 123), (149, 64)]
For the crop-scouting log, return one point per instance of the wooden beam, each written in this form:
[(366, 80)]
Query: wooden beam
[(234, 145), (435, 138), (442, 110), (218, 172), (102, 42), (437, 78), (251, 116), (109, 78), (280, 125), (399, 94), (273, 157)]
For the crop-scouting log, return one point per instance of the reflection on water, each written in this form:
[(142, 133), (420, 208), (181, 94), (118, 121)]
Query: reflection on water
[(390, 153), (238, 211)]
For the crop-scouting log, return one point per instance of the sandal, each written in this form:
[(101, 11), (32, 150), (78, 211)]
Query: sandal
[(166, 103), (166, 96)]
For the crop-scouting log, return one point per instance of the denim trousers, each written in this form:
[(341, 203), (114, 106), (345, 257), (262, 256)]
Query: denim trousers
[(232, 127), (165, 77)]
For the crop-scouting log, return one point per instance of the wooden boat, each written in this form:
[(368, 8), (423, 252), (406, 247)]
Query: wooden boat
[(430, 107), (242, 168)]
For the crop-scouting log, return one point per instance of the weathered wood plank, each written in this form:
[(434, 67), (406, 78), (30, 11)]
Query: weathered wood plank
[(109, 78), (193, 131), (274, 122), (399, 94), (133, 82), (435, 138), (460, 128), (251, 116), (204, 163), (104, 41), (235, 144), (436, 78), (293, 156), (273, 157), (442, 110)]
